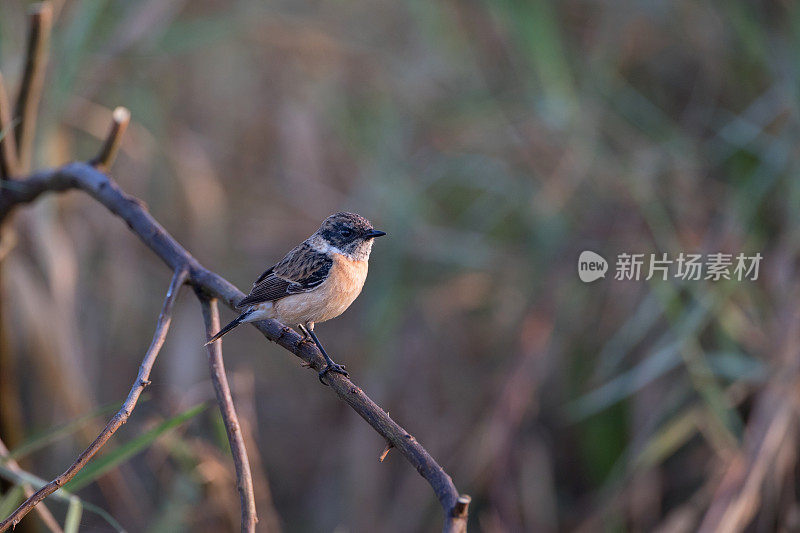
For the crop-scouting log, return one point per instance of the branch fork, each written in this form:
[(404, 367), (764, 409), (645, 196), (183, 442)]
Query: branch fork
[(16, 190), (210, 285)]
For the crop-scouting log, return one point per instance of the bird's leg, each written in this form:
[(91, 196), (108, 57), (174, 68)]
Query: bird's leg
[(306, 338), (330, 366), (304, 331)]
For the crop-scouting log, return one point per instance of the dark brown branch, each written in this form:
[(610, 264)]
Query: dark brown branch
[(8, 147), (108, 152), (44, 513), (30, 90), (244, 479), (103, 189), (142, 380)]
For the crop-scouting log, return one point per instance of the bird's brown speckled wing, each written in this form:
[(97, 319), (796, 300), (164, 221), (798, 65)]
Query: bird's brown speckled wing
[(301, 270)]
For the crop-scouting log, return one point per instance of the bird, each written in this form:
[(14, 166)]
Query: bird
[(316, 281)]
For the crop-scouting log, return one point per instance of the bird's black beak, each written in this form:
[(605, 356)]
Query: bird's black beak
[(371, 234)]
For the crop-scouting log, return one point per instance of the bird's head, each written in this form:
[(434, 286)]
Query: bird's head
[(348, 234)]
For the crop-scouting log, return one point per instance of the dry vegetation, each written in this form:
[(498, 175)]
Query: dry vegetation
[(493, 140)]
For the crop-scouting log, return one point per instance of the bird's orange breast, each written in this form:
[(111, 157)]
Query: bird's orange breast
[(333, 296), (345, 282)]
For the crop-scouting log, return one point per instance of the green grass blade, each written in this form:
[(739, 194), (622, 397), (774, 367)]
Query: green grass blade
[(627, 383), (102, 513), (668, 439), (22, 477), (74, 512), (104, 464), (654, 366), (44, 438), (11, 500), (61, 495)]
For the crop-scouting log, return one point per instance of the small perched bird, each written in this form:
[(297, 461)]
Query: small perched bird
[(316, 281)]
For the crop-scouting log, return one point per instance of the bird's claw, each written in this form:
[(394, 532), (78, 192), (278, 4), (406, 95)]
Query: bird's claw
[(339, 369)]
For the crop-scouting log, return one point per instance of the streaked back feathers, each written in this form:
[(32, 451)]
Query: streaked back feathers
[(309, 263), (302, 269)]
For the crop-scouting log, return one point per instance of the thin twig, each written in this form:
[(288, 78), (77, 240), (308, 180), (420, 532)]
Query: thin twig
[(152, 234), (244, 479), (269, 520), (30, 89), (108, 152), (142, 380), (44, 513), (8, 147)]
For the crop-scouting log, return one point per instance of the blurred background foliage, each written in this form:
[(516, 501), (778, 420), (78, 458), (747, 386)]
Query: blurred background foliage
[(493, 140)]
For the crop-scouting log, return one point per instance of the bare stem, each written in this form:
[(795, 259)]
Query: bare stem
[(44, 513), (244, 479), (30, 90), (108, 152), (142, 380)]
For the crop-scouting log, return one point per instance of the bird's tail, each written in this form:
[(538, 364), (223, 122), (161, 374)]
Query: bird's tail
[(235, 322)]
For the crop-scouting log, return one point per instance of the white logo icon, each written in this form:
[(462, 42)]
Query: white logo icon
[(591, 266)]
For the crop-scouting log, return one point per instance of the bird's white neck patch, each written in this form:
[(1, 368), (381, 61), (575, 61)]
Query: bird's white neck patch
[(358, 252), (318, 244)]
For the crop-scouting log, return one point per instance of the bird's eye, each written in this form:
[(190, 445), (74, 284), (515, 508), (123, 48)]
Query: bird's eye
[(346, 233)]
